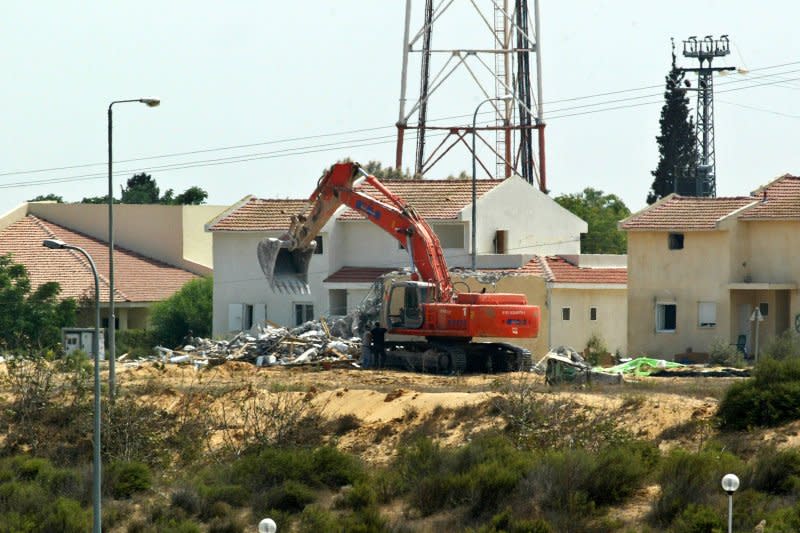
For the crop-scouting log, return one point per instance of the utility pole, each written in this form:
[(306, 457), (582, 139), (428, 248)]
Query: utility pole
[(705, 50)]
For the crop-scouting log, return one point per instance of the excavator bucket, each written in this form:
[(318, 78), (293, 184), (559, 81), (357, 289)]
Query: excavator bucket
[(286, 270)]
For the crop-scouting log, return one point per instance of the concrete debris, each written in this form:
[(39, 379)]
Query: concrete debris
[(267, 345), (565, 365)]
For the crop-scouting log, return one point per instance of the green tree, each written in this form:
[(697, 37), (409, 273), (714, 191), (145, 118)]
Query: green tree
[(676, 143), (389, 173), (31, 318), (191, 196), (97, 200), (601, 212), (188, 309), (141, 189), (377, 169), (48, 198)]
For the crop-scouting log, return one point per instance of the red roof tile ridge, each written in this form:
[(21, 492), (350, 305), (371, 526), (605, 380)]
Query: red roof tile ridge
[(643, 210), (760, 190), (548, 272), (229, 211)]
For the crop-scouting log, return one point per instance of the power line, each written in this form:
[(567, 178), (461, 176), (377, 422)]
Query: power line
[(371, 141)]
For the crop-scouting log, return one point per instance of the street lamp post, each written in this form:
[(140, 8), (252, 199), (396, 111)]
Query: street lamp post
[(112, 375), (96, 461), (505, 97), (730, 482)]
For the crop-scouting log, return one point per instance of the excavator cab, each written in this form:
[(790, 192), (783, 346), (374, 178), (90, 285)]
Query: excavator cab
[(405, 303)]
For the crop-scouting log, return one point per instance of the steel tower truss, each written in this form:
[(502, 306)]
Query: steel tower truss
[(502, 67), (705, 50)]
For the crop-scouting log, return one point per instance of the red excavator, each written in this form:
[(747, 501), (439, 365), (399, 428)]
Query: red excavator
[(424, 306)]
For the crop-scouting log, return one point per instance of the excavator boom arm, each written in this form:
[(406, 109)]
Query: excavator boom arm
[(395, 216)]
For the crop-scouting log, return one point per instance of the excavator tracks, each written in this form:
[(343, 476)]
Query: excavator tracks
[(441, 357)]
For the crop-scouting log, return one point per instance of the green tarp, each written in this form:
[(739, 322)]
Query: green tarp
[(642, 366)]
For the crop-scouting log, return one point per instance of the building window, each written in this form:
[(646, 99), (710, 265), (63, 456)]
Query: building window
[(764, 308), (592, 313), (565, 313), (318, 249), (675, 241), (303, 313), (450, 235), (666, 317), (707, 314)]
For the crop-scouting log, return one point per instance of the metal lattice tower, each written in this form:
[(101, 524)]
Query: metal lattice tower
[(705, 50), (498, 62)]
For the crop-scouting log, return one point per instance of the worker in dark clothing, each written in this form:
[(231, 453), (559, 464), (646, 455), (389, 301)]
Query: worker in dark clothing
[(378, 344)]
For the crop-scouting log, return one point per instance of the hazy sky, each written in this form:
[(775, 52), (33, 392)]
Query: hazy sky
[(264, 73)]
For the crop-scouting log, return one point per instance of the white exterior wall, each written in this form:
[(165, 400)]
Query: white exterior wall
[(361, 243), (238, 279), (536, 224)]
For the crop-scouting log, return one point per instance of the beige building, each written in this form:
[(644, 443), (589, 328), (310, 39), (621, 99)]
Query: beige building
[(157, 250), (699, 268)]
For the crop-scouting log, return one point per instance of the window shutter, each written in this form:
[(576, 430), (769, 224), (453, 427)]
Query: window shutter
[(259, 313), (234, 317)]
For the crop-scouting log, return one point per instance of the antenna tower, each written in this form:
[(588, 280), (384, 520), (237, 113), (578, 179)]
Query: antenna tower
[(705, 50), (497, 59)]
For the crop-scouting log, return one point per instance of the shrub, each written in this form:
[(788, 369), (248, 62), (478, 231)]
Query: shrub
[(314, 519), (64, 515), (227, 493), (698, 519), (770, 398), (481, 474), (136, 343), (123, 478), (776, 472), (504, 522), (619, 471), (345, 424), (359, 496), (367, 520), (188, 309), (334, 468), (187, 499), (291, 496), (784, 346), (227, 524), (23, 497), (687, 478), (135, 431), (722, 353)]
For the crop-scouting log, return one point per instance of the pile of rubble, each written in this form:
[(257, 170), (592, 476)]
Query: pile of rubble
[(313, 342)]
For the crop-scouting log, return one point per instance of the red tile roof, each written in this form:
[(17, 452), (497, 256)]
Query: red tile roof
[(257, 214), (563, 271), (685, 213), (779, 200), (433, 199), (137, 278), (558, 270), (349, 274)]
